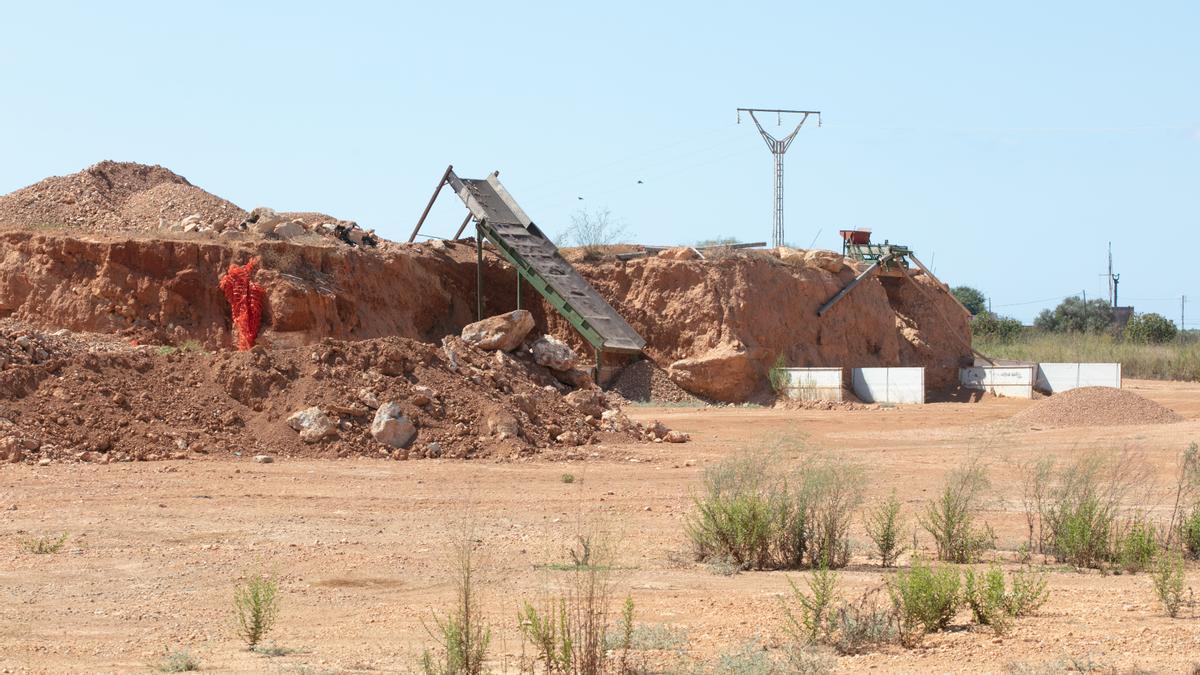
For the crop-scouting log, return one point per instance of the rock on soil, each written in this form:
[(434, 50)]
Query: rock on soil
[(503, 332), (554, 354), (99, 399), (1094, 406)]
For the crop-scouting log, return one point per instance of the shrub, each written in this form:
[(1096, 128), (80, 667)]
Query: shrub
[(178, 661), (46, 545), (1169, 582), (971, 298), (777, 378), (568, 633), (568, 478), (1028, 592), (758, 515), (1074, 315), (951, 517), (861, 626), (1138, 546), (984, 594), (813, 625), (1191, 533), (988, 326), (594, 230), (463, 635), (883, 527), (256, 604), (1150, 329), (925, 599)]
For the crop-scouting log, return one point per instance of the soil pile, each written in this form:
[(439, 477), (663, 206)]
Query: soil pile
[(73, 398), (645, 382), (1094, 406), (115, 196)]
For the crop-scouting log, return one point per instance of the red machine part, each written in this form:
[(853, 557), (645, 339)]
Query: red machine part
[(245, 301)]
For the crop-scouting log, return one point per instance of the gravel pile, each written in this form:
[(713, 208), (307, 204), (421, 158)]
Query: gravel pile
[(1094, 406), (115, 196), (643, 381)]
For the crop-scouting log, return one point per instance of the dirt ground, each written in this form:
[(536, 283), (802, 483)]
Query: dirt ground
[(361, 546)]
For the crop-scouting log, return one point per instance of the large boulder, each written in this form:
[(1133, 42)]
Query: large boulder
[(503, 331), (588, 401), (826, 260), (313, 424), (391, 427), (726, 373), (553, 353)]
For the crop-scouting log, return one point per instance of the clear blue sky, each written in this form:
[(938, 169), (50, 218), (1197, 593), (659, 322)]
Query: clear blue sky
[(1006, 142)]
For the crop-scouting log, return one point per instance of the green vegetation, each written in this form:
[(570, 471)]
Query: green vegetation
[(1076, 315), (46, 545), (568, 478), (883, 527), (951, 518), (1150, 329), (1137, 546), (925, 599), (178, 661), (256, 604), (1168, 581), (1178, 360), (995, 605), (811, 622), (988, 326), (971, 298), (463, 635), (760, 515)]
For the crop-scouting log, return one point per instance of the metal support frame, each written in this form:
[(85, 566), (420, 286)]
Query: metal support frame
[(778, 146), (850, 286), (429, 206), (479, 272)]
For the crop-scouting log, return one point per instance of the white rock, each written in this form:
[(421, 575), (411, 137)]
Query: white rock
[(313, 424), (553, 353), (289, 230), (391, 427), (264, 459), (503, 331)]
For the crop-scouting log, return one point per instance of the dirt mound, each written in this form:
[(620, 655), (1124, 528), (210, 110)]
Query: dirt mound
[(645, 382), (114, 196), (1094, 406), (721, 324), (68, 397)]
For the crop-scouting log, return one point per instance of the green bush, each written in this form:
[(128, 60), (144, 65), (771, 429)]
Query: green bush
[(178, 661), (925, 599), (984, 594), (883, 527), (1178, 360), (812, 623), (256, 604), (1150, 329), (988, 326), (463, 635), (1074, 315), (971, 298), (1028, 592), (759, 515), (1169, 582), (951, 518), (1191, 533), (1137, 546), (862, 626)]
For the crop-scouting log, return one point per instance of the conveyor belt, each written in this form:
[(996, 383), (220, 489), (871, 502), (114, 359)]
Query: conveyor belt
[(537, 259)]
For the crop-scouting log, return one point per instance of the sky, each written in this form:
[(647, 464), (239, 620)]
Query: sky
[(1006, 143)]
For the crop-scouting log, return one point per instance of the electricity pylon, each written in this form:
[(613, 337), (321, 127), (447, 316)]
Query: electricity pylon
[(778, 146)]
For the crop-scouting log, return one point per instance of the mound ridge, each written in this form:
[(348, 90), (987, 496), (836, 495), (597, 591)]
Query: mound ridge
[(1095, 406)]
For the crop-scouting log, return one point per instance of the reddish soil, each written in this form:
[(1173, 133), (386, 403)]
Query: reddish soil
[(361, 547)]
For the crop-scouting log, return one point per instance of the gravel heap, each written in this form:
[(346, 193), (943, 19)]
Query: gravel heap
[(1094, 406), (643, 381), (116, 196)]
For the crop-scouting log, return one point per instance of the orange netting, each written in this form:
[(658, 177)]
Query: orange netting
[(246, 300)]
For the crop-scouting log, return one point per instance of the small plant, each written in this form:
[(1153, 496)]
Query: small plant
[(813, 624), (985, 595), (1138, 547), (883, 527), (1169, 582), (1028, 592), (951, 517), (863, 625), (777, 377), (46, 545), (925, 599), (568, 478), (256, 604), (1190, 530), (462, 635), (178, 661)]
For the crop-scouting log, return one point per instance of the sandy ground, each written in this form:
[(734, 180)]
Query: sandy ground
[(361, 547)]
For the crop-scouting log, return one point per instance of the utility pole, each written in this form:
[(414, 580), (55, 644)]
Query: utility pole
[(778, 146), (1113, 280)]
